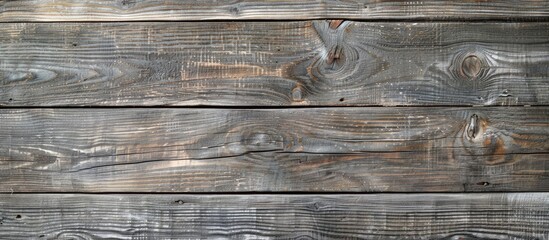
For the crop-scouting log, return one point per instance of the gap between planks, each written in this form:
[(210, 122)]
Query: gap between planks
[(252, 107)]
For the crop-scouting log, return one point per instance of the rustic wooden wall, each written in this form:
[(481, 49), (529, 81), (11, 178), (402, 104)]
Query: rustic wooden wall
[(248, 119)]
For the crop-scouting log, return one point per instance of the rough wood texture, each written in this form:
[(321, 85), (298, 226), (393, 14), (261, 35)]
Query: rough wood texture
[(300, 149), (274, 63), (193, 10), (393, 216)]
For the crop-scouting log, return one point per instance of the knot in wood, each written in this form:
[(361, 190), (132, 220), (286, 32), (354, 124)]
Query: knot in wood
[(127, 3), (297, 94), (258, 139), (315, 206), (339, 60), (471, 66), (334, 55), (261, 138), (234, 9), (473, 127)]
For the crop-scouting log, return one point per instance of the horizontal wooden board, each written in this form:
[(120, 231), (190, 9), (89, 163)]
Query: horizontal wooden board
[(392, 216), (314, 63), (299, 149), (194, 10)]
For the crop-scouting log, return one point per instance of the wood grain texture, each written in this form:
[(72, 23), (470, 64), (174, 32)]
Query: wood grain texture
[(300, 149), (194, 10), (274, 64), (392, 216)]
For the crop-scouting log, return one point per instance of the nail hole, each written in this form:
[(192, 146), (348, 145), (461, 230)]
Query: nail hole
[(505, 93), (74, 44), (11, 99), (483, 183), (41, 236), (342, 99), (18, 216)]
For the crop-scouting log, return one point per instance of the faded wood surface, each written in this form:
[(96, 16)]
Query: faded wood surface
[(110, 53), (392, 216), (194, 10), (300, 149), (274, 63)]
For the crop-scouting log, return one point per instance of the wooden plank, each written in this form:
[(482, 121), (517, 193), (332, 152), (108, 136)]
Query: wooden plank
[(194, 10), (384, 216), (274, 63), (298, 149)]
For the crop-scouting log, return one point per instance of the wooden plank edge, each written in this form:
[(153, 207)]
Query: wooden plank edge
[(371, 216)]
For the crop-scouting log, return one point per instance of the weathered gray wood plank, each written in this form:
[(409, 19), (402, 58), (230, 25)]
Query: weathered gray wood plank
[(301, 149), (274, 63), (376, 216), (193, 10)]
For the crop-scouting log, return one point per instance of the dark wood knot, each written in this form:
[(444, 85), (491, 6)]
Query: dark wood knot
[(127, 3), (473, 127), (471, 66), (234, 10), (314, 206), (297, 94)]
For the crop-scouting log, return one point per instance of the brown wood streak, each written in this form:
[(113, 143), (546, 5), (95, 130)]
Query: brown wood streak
[(376, 216), (274, 63), (195, 10), (302, 149)]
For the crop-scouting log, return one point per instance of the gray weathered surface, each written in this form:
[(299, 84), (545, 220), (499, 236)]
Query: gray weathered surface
[(194, 10), (110, 53), (383, 216), (303, 149), (274, 63)]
